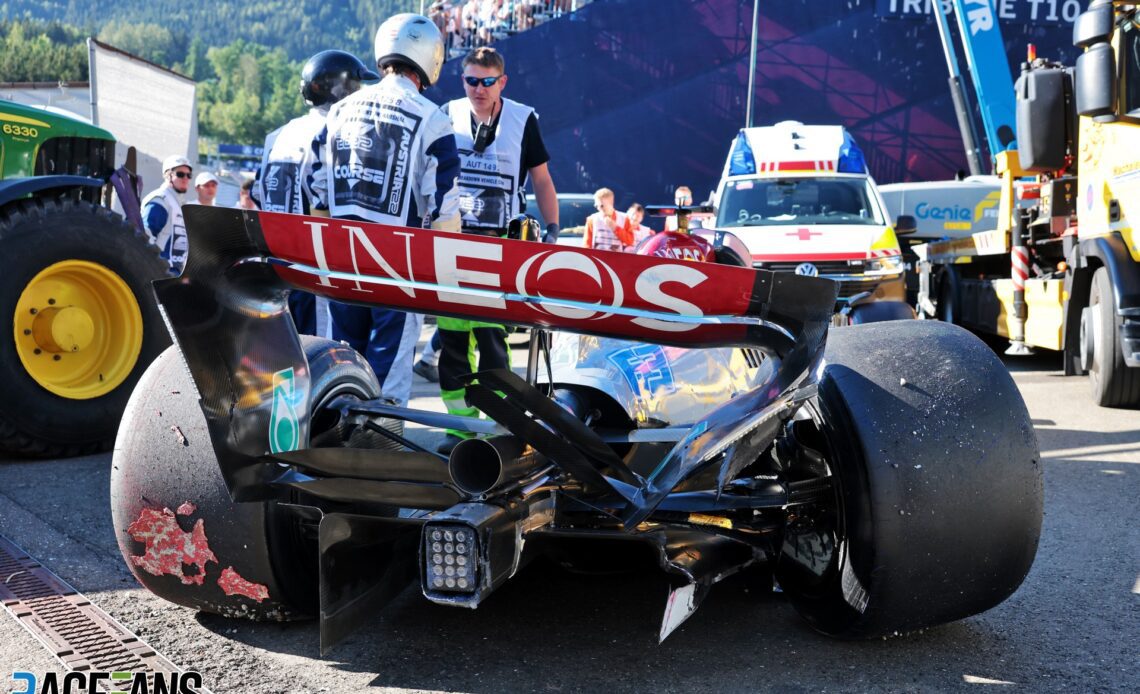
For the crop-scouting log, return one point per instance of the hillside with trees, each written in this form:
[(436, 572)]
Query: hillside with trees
[(298, 27), (246, 57)]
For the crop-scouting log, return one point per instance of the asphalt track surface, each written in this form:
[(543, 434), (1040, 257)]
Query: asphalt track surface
[(1073, 625)]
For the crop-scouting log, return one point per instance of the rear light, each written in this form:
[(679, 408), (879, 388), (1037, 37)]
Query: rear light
[(450, 558)]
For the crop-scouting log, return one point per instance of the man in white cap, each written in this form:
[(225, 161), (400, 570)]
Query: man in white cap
[(206, 185), (162, 212)]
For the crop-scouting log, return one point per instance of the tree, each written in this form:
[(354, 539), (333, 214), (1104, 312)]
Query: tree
[(149, 41), (197, 67), (255, 91), (38, 52)]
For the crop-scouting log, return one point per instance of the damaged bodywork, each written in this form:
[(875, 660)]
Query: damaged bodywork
[(677, 406)]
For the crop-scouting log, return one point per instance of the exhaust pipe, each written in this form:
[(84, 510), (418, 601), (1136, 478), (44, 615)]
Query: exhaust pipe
[(478, 466)]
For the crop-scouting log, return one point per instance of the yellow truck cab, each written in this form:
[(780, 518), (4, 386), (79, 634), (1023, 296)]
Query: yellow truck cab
[(801, 198)]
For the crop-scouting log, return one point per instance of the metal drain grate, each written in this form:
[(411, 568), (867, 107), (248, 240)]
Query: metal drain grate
[(82, 636)]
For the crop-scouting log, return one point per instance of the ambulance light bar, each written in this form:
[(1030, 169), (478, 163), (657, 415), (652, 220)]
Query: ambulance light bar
[(742, 162)]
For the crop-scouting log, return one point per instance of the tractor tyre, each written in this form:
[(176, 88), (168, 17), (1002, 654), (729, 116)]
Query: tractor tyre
[(178, 530), (76, 288), (934, 506)]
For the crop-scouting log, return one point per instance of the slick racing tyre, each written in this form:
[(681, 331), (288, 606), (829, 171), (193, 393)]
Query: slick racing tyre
[(178, 530), (76, 289), (933, 508), (1113, 383)]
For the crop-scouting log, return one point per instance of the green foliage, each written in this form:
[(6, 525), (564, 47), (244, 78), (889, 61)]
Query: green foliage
[(196, 67), (150, 41), (255, 90), (299, 27), (246, 57), (42, 52)]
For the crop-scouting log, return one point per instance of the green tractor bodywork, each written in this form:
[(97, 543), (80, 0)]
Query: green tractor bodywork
[(74, 287), (40, 150)]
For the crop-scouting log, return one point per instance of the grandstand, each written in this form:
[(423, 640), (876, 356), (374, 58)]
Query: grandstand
[(643, 95), (468, 24)]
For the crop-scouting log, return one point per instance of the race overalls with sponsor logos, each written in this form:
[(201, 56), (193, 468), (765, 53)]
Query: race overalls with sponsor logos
[(278, 189), (376, 159), (386, 154), (278, 186)]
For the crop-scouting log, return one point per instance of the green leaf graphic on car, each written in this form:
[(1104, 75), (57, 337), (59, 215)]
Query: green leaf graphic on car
[(284, 427)]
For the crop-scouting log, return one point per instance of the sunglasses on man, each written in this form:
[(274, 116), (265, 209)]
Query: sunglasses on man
[(487, 82), (183, 174)]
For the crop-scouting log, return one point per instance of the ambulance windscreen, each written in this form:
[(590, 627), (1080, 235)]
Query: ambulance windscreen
[(776, 202)]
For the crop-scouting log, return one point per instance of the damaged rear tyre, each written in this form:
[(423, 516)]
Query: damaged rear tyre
[(178, 530), (936, 507)]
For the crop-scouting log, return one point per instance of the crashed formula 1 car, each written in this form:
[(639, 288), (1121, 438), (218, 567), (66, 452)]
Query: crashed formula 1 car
[(886, 476)]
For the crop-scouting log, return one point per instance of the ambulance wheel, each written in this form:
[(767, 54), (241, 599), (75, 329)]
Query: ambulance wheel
[(1114, 383), (925, 479), (177, 528), (82, 324)]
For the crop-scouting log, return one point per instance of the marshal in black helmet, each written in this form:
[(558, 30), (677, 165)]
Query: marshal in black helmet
[(329, 76)]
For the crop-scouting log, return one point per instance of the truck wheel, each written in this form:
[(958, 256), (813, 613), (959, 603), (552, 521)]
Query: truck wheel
[(946, 310), (927, 482), (178, 530), (1114, 384), (76, 288)]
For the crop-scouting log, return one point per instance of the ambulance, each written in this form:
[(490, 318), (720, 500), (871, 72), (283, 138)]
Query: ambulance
[(801, 199)]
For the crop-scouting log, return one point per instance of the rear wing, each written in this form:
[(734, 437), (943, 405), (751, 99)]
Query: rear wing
[(228, 311)]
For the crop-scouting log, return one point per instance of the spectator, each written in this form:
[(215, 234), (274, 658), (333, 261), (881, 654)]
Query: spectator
[(469, 20), (488, 19), (607, 229), (206, 186), (439, 12), (636, 213), (454, 28)]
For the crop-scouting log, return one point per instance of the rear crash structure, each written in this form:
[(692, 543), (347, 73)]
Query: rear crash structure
[(700, 411)]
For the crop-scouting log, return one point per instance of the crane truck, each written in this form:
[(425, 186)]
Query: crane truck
[(1062, 269)]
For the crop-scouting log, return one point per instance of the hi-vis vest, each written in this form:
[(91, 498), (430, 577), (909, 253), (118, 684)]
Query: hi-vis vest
[(170, 239), (375, 151), (489, 194), (279, 182)]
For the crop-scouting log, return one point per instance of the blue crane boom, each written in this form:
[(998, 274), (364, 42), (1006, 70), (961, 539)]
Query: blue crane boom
[(989, 70)]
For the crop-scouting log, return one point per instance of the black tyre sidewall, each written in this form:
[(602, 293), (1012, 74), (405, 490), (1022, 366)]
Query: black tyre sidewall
[(34, 236), (1113, 382), (941, 484), (164, 458)]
